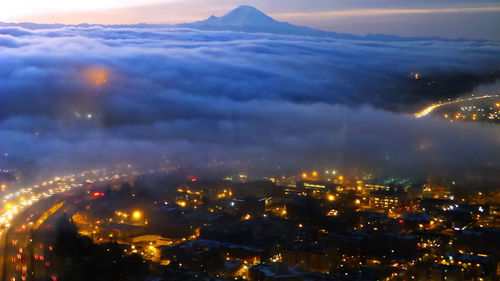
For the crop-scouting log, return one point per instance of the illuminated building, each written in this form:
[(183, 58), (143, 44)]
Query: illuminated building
[(390, 201), (368, 188), (375, 187), (385, 200), (312, 185), (436, 192), (240, 177)]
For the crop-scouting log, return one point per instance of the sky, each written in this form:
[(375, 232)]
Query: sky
[(78, 97), (443, 18)]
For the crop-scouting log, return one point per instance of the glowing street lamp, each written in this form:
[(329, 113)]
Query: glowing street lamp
[(136, 215)]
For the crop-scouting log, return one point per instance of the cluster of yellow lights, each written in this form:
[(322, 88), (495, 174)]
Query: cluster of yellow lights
[(429, 109), (225, 194), (16, 201), (121, 214), (276, 258), (189, 191), (313, 174), (181, 203)]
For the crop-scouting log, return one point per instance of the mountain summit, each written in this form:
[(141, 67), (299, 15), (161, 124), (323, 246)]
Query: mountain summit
[(244, 19), (250, 19), (241, 17)]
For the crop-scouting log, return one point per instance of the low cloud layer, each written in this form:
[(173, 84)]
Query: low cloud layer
[(72, 98)]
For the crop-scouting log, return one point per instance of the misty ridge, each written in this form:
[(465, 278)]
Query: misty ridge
[(73, 97)]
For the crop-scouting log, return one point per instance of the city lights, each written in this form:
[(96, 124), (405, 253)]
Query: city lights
[(431, 108), (239, 146)]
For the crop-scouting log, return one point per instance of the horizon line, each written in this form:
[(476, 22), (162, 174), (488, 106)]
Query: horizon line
[(334, 13)]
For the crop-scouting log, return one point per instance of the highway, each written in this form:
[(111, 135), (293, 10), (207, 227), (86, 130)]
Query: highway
[(431, 108), (18, 247), (28, 217)]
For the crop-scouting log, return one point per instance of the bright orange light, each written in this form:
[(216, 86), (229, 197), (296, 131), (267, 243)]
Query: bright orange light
[(136, 215), (304, 175), (97, 75), (331, 198), (315, 174)]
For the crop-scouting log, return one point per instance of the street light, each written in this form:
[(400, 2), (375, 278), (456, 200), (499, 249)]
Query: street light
[(137, 215)]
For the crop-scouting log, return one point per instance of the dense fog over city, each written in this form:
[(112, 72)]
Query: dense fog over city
[(78, 97), (216, 140)]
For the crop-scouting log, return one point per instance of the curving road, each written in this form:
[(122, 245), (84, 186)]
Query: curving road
[(431, 108), (27, 219)]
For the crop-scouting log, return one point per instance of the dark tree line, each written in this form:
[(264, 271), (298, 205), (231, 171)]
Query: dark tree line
[(82, 260)]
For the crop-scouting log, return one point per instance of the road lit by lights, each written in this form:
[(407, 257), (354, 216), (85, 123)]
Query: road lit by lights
[(15, 202), (431, 108), (18, 201)]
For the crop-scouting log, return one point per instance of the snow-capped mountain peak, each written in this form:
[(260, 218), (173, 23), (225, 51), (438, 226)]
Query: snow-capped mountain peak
[(245, 16), (241, 17)]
